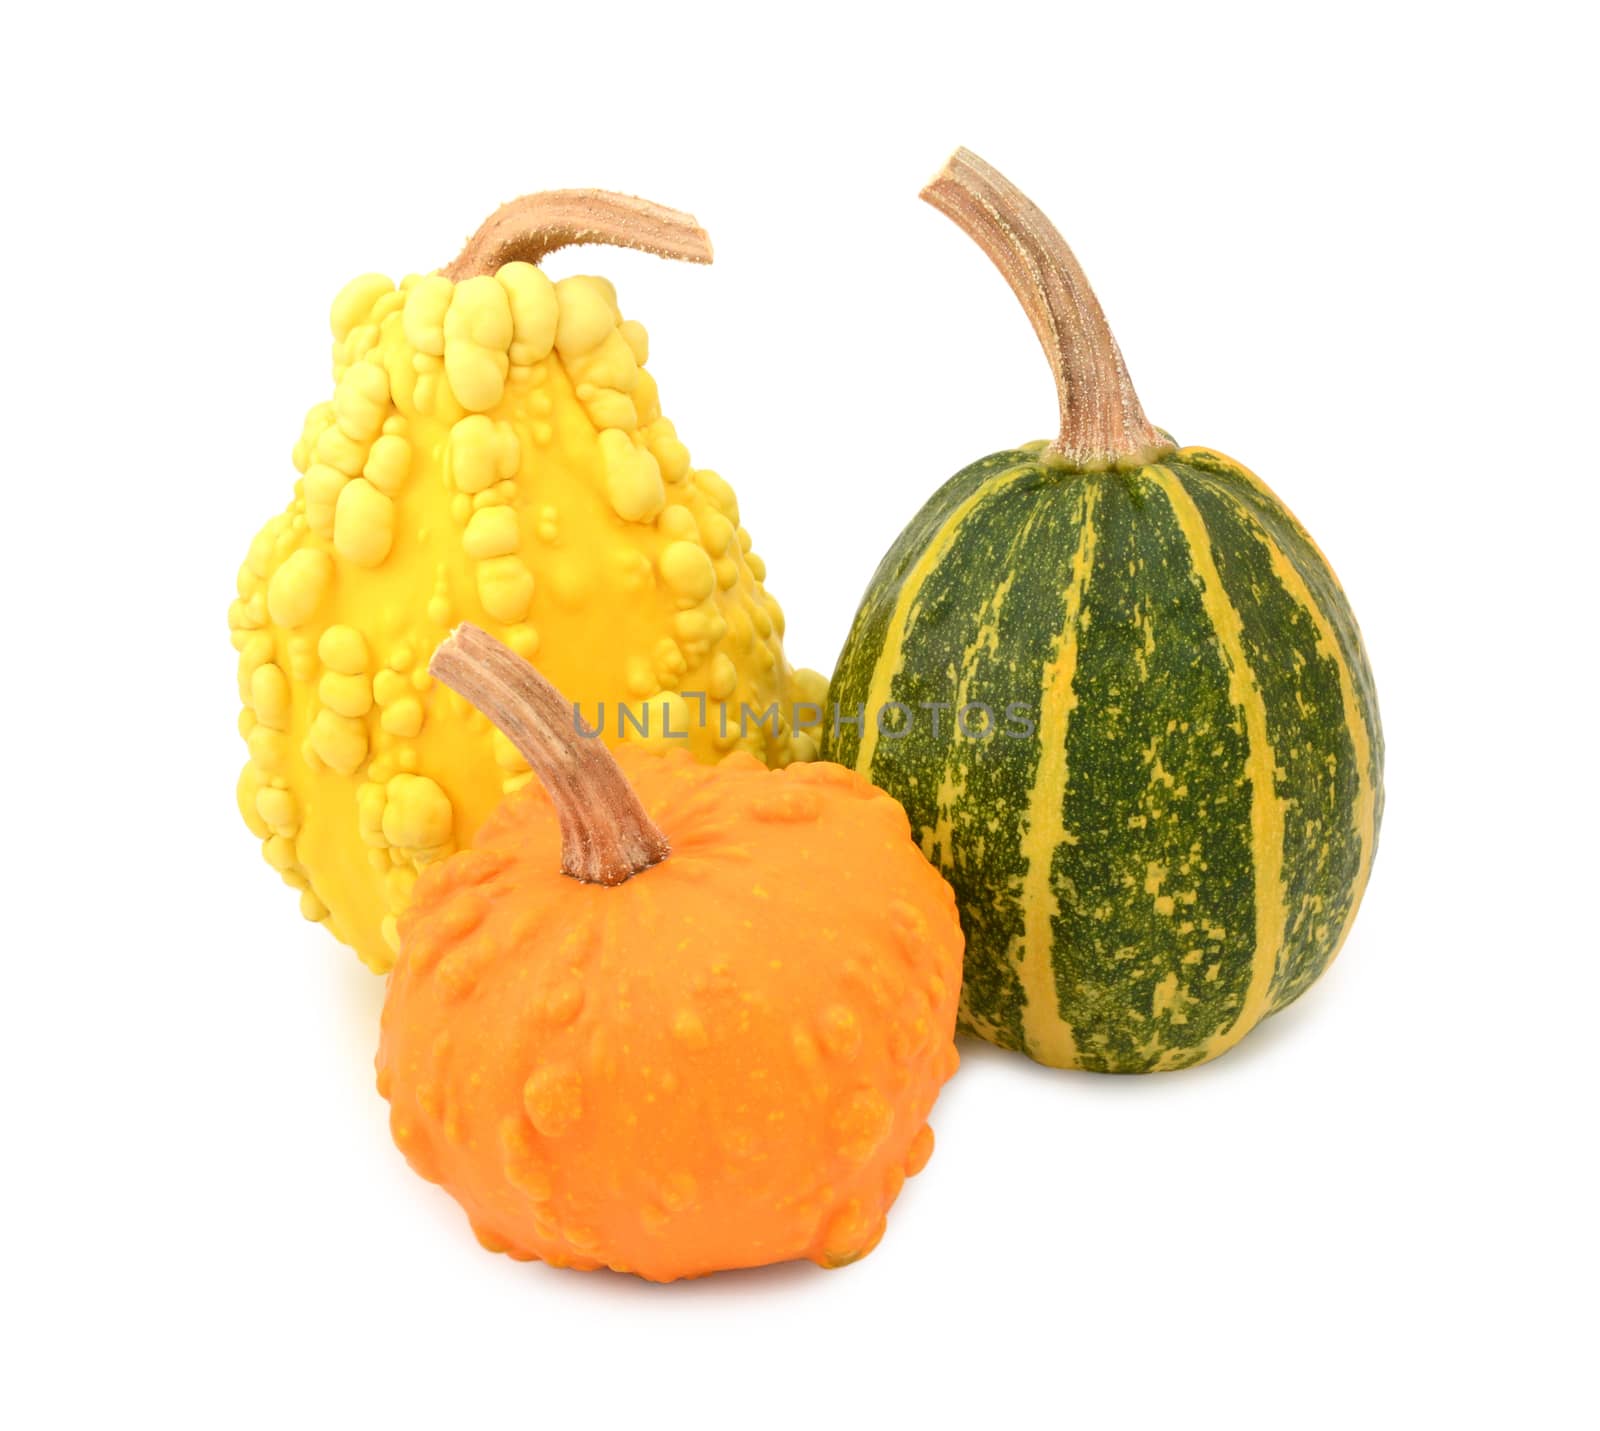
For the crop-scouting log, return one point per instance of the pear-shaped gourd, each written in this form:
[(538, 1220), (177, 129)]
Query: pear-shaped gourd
[(495, 452), (1157, 782)]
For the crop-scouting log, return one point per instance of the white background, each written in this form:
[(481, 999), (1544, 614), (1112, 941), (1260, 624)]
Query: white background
[(1351, 246)]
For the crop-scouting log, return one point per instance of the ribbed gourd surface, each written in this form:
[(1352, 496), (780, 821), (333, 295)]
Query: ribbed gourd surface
[(1178, 848)]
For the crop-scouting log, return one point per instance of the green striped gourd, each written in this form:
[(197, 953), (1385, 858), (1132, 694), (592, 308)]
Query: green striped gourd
[(1178, 846)]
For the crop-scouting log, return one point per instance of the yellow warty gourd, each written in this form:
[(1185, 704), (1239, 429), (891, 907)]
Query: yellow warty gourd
[(494, 452)]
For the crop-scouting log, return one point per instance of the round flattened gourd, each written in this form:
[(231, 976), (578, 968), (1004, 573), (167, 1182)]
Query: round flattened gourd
[(494, 451), (666, 1017), (1160, 811)]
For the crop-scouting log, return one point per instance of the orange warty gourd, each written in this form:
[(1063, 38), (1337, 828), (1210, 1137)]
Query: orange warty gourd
[(667, 1017)]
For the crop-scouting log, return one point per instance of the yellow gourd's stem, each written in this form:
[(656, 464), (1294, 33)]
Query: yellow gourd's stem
[(606, 836), (1102, 423), (537, 224)]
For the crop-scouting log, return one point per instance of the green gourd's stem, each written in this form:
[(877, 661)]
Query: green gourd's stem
[(1102, 423)]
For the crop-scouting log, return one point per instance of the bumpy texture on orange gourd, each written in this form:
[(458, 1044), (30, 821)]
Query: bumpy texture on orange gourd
[(726, 1061), (494, 452)]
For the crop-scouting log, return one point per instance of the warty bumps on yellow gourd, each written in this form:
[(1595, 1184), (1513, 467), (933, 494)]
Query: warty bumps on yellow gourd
[(494, 452)]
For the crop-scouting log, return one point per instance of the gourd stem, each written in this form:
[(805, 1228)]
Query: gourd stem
[(606, 837), (537, 224), (1102, 423)]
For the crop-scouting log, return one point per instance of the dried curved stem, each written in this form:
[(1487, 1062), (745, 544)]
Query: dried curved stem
[(538, 224), (1102, 423), (606, 837)]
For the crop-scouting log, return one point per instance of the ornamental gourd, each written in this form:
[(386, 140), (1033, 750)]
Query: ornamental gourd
[(667, 1017), (1178, 846), (494, 451)]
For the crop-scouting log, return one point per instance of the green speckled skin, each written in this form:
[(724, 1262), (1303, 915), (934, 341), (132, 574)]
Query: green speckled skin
[(1179, 847)]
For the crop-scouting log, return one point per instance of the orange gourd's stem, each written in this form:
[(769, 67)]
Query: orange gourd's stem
[(537, 224), (1102, 422), (606, 836)]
